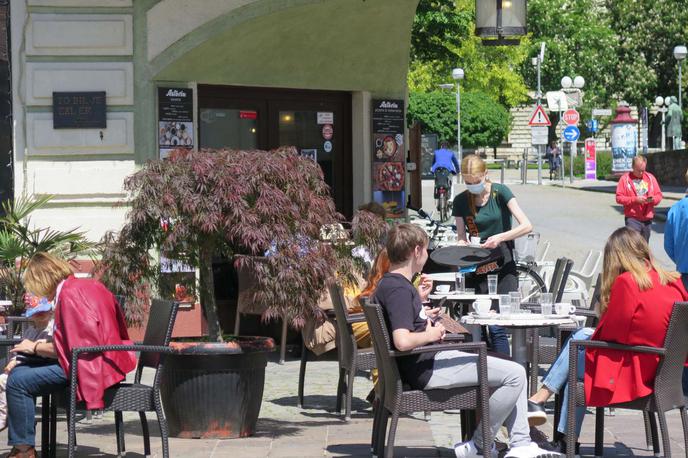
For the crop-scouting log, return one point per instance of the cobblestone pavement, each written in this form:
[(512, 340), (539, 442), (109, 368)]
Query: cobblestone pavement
[(287, 431)]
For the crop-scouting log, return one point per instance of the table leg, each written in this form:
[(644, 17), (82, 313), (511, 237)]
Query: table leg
[(519, 352)]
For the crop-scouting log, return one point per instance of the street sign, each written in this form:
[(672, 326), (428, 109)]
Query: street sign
[(539, 117), (571, 117), (592, 125), (571, 133), (590, 159), (601, 111), (556, 101), (573, 98), (539, 135)]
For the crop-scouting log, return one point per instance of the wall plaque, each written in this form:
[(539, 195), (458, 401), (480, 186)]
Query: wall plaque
[(79, 110)]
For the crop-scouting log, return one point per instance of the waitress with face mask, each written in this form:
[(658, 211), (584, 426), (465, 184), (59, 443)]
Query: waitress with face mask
[(484, 210)]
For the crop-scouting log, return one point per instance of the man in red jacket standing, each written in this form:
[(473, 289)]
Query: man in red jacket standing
[(639, 193)]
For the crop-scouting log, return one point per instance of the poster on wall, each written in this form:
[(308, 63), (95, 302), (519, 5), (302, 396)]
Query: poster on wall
[(389, 154), (175, 119), (624, 146)]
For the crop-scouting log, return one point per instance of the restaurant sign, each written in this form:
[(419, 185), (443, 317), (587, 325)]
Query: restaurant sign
[(79, 110)]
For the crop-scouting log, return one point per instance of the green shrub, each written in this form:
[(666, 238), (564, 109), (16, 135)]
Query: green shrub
[(604, 164)]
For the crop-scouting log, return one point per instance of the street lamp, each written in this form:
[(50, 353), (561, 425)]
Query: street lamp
[(499, 19), (574, 85), (662, 104), (680, 53)]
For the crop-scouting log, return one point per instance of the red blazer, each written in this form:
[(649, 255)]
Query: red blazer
[(87, 314), (626, 195), (633, 317)]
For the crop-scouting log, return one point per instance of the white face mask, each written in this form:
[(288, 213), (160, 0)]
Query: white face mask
[(477, 188)]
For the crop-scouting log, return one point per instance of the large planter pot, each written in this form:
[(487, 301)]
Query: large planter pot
[(214, 390)]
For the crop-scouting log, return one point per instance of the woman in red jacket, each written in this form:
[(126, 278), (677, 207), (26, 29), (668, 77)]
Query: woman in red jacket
[(86, 314), (637, 297)]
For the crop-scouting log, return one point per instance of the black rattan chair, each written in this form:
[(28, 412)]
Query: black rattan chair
[(394, 399), (668, 392), (132, 397), (351, 359)]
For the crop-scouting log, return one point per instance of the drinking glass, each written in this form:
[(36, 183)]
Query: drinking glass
[(460, 282), (492, 284), (515, 301), (546, 301), (505, 304)]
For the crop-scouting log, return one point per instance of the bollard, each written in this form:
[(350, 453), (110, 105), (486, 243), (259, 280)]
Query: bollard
[(524, 167)]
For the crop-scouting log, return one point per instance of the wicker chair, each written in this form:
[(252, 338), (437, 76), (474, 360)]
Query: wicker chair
[(350, 358), (132, 397), (667, 395), (543, 350), (394, 399)]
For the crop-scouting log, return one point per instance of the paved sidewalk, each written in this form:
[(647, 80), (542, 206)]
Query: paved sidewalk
[(287, 431)]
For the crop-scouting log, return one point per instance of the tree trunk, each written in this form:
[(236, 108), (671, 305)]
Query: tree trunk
[(207, 292)]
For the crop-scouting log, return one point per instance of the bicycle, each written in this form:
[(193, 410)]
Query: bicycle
[(442, 191)]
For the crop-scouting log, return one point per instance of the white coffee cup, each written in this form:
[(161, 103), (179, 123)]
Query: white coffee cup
[(482, 306), (475, 241), (442, 288), (564, 308)]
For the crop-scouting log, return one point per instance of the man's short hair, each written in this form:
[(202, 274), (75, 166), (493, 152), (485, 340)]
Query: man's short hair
[(639, 158), (402, 240)]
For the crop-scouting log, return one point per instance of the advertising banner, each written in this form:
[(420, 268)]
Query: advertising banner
[(590, 159), (624, 146), (175, 119), (389, 154)]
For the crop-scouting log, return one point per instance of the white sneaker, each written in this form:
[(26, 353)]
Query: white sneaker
[(531, 451), (469, 450)]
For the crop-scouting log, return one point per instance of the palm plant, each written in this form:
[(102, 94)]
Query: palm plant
[(19, 240)]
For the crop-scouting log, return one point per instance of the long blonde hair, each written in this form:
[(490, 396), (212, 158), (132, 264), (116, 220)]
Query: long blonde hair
[(472, 165), (627, 251)]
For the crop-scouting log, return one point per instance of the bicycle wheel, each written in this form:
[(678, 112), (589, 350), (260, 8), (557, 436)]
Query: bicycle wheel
[(443, 206), (530, 284)]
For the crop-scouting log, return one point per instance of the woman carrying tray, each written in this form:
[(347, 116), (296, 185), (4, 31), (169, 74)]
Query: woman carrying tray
[(485, 210)]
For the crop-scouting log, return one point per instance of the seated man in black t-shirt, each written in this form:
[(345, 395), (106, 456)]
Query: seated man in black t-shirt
[(411, 326)]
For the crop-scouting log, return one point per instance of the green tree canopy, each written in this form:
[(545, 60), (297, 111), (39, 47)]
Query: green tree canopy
[(483, 122)]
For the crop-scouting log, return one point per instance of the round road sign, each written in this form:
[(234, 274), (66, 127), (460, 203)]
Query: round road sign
[(571, 133)]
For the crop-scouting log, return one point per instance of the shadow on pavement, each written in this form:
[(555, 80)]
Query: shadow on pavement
[(319, 402), (351, 450)]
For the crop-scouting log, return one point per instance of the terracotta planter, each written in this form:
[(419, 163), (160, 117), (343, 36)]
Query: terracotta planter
[(215, 390)]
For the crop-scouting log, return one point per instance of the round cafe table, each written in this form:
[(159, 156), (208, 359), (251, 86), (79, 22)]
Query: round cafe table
[(518, 323)]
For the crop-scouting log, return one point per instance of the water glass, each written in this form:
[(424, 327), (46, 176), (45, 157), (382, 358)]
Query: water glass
[(515, 297), (492, 284), (546, 301), (505, 304), (460, 282)]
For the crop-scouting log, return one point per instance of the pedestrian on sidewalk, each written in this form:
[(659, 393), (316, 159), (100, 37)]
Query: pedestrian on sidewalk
[(639, 193), (676, 236)]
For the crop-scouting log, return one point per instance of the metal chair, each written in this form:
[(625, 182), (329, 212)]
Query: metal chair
[(667, 395), (395, 399), (132, 397), (350, 358)]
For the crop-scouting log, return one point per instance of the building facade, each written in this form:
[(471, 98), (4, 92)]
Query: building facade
[(102, 86)]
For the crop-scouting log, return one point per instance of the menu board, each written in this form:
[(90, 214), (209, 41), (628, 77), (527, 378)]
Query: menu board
[(389, 153), (175, 119)]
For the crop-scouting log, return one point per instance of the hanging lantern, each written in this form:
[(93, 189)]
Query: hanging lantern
[(497, 19)]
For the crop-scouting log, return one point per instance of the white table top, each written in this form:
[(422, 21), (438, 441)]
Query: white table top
[(530, 320), (452, 296)]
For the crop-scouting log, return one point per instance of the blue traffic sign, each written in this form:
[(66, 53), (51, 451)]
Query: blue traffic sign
[(571, 133), (592, 126)]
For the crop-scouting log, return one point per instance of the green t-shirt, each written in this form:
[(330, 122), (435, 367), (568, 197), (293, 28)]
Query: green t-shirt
[(492, 218)]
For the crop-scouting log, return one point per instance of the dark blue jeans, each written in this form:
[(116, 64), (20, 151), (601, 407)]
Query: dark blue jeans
[(24, 384)]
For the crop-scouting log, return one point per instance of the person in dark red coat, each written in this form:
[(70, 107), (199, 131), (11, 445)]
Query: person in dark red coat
[(86, 314), (636, 300)]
